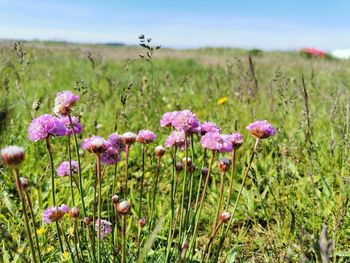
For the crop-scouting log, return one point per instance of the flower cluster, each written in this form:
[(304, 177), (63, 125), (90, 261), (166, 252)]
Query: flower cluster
[(12, 155), (216, 142), (54, 214), (63, 168), (64, 102), (95, 144), (105, 227), (261, 129), (146, 136), (45, 126), (177, 138)]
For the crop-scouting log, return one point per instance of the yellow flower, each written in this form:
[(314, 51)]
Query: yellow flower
[(41, 231), (20, 250), (222, 100), (65, 255)]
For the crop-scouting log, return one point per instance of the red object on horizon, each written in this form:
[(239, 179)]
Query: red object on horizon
[(314, 52)]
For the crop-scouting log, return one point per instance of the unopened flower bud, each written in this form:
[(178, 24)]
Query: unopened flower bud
[(129, 138), (159, 151), (224, 164), (191, 168), (189, 161), (205, 171), (115, 199), (74, 212), (225, 217), (24, 183), (123, 207), (178, 167), (87, 220), (12, 155), (142, 222)]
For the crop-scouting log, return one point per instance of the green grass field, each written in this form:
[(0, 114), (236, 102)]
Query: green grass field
[(300, 178)]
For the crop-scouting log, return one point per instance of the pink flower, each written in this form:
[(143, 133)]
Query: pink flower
[(55, 213), (116, 142), (110, 156), (12, 155), (95, 144), (186, 121), (146, 136), (208, 126), (167, 119), (78, 128), (216, 142), (177, 138), (105, 227), (64, 102), (63, 168), (236, 139), (44, 126), (261, 129)]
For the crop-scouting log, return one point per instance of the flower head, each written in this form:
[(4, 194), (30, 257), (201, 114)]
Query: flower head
[(105, 227), (261, 129), (63, 168), (116, 141), (44, 126), (208, 126), (12, 155), (146, 136), (55, 213), (123, 207), (236, 139), (177, 138), (159, 151), (167, 119), (224, 164), (225, 217), (186, 121), (78, 128), (64, 102), (216, 142), (24, 183), (95, 144), (110, 156), (142, 222), (129, 138), (74, 212)]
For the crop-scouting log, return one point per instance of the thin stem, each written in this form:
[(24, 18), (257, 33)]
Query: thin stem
[(75, 237), (79, 165), (172, 206), (26, 220), (98, 166), (127, 148), (91, 242), (67, 243), (216, 229), (142, 178), (193, 240), (233, 160), (94, 213), (138, 241), (49, 149), (123, 238), (184, 188), (34, 227), (70, 170), (224, 233), (155, 184)]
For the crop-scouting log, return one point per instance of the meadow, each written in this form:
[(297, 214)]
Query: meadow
[(294, 201)]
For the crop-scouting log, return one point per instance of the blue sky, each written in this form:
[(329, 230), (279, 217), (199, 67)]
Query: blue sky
[(266, 24)]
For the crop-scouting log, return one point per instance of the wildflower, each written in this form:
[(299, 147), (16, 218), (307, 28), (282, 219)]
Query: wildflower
[(74, 212), (159, 151), (146, 136), (225, 217), (105, 227), (63, 168), (44, 126), (95, 144), (178, 167), (186, 121), (12, 155), (87, 220), (64, 102), (208, 126), (142, 222), (236, 139), (55, 213), (224, 164), (129, 138), (24, 183), (115, 199), (191, 168), (177, 138), (261, 129), (216, 142), (205, 171), (116, 141), (110, 156), (167, 119), (123, 207), (78, 128)]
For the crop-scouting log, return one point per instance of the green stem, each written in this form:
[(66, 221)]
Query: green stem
[(68, 246), (123, 238), (127, 148), (98, 166), (34, 227), (79, 165), (194, 237), (49, 149), (184, 190), (70, 170), (224, 233), (233, 160), (75, 238), (26, 220), (155, 184), (142, 178)]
